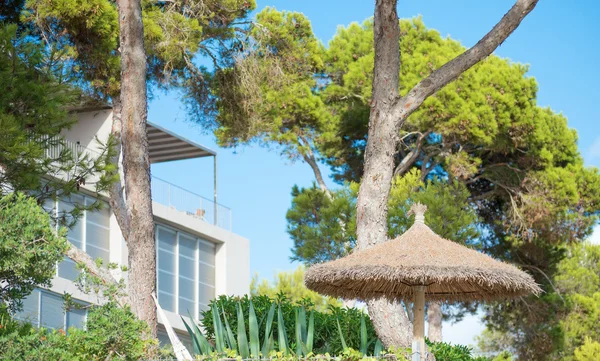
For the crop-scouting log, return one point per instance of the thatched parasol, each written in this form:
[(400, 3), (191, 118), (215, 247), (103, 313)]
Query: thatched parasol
[(419, 264)]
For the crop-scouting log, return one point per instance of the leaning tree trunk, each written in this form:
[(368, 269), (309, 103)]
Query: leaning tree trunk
[(388, 112), (389, 319), (136, 164), (434, 322)]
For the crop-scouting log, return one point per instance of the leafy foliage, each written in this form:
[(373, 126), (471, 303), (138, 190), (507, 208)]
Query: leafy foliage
[(316, 220), (448, 352), (87, 35), (570, 312), (29, 248), (112, 333), (34, 103), (588, 351), (326, 338), (227, 341), (578, 280), (268, 94), (322, 226), (291, 284)]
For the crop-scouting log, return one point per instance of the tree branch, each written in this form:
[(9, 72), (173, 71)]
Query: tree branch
[(309, 158), (312, 162), (81, 257), (411, 157), (535, 268), (451, 70)]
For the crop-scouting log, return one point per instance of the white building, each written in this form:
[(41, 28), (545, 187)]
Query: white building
[(198, 256)]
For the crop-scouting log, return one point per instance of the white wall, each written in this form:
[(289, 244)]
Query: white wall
[(89, 125), (232, 261)]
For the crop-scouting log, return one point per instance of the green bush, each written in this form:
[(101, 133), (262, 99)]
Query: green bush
[(326, 333), (112, 333), (29, 246), (447, 352)]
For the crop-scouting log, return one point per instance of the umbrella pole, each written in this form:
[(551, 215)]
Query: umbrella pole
[(418, 344)]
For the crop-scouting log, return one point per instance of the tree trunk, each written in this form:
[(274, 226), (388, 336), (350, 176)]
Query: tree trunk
[(434, 321), (388, 113), (136, 164), (371, 221), (391, 323), (389, 319)]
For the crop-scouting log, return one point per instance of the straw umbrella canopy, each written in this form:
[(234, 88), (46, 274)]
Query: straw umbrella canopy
[(419, 265)]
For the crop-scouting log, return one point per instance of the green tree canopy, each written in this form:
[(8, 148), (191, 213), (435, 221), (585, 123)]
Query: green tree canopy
[(563, 323), (29, 248), (323, 227), (87, 33), (578, 279), (35, 105), (516, 162), (270, 93), (291, 286)]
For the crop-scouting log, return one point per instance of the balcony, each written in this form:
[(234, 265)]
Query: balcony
[(191, 203), (163, 192)]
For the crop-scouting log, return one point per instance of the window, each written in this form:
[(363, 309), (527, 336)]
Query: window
[(185, 271), (166, 253), (91, 233), (46, 309)]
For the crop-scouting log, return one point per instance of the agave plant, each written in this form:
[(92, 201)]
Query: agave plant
[(304, 334), (245, 338), (200, 343), (247, 342), (365, 344)]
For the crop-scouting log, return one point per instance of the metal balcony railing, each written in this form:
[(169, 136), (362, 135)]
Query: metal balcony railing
[(55, 146), (191, 203), (163, 192)]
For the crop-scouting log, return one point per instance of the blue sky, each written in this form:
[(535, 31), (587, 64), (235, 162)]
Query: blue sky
[(559, 40)]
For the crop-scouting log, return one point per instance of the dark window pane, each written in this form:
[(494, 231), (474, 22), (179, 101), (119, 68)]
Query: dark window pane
[(101, 217), (166, 261), (205, 294), (166, 239), (96, 252), (65, 207), (186, 307), (186, 288), (187, 268)]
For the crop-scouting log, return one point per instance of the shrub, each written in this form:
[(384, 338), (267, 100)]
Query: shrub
[(589, 351), (111, 333), (326, 333), (447, 352), (29, 246)]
